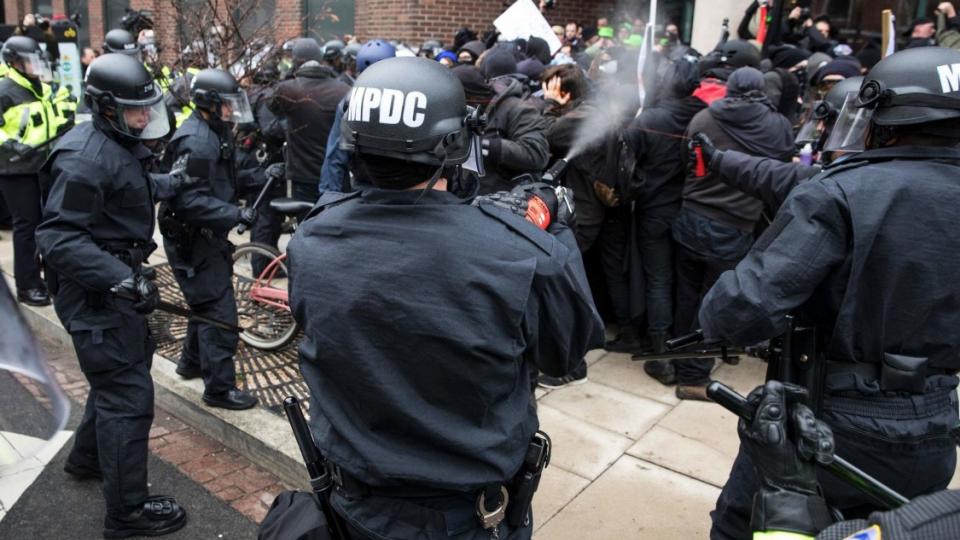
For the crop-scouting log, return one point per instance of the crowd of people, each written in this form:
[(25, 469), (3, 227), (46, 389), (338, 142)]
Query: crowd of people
[(672, 190)]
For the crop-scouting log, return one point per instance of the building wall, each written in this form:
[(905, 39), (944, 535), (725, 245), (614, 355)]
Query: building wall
[(414, 21)]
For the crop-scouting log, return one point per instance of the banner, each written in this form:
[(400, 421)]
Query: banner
[(522, 20)]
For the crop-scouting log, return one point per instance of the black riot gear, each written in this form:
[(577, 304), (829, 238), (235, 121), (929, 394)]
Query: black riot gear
[(117, 84), (333, 50), (305, 50), (914, 87), (393, 114), (213, 90), (120, 41)]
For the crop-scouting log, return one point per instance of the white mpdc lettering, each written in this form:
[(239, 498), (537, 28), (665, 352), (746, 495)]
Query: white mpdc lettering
[(949, 77), (393, 106)]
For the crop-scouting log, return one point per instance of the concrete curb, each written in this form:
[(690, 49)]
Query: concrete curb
[(256, 434)]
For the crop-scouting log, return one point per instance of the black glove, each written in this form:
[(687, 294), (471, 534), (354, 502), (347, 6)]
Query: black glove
[(707, 148), (557, 202), (247, 217), (785, 442), (276, 171), (491, 147), (17, 147), (139, 290), (179, 179)]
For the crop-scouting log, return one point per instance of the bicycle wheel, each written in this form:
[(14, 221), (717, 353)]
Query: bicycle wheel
[(262, 306)]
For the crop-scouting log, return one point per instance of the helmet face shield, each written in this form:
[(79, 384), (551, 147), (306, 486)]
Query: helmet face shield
[(235, 108), (34, 65), (853, 124), (144, 120)]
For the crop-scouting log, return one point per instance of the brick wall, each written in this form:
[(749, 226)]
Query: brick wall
[(414, 21)]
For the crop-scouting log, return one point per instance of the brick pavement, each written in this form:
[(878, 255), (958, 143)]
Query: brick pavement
[(243, 485)]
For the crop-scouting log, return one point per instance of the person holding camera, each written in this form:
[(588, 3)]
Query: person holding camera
[(421, 315)]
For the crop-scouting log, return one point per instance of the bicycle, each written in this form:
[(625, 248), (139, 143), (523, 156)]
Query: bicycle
[(263, 303)]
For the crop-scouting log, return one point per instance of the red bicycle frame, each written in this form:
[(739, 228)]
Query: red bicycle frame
[(264, 293)]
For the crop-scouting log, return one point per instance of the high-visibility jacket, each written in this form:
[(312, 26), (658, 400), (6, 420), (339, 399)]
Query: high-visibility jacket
[(27, 116)]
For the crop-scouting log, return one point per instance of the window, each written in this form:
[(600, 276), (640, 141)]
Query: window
[(113, 11), (43, 7), (328, 19), (256, 17)]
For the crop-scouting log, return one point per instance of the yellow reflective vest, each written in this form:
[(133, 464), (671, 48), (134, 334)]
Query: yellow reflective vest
[(28, 117)]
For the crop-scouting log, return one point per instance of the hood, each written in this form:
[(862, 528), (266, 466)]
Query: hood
[(748, 118)]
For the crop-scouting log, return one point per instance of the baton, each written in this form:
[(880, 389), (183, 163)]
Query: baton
[(242, 228), (841, 468), (320, 480), (174, 309)]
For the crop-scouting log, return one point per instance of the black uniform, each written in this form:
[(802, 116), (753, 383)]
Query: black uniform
[(867, 253), (414, 352), (767, 179), (97, 228), (195, 231)]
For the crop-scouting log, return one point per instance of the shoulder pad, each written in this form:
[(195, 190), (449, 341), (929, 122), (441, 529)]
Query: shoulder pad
[(520, 226), (853, 163), (329, 199)]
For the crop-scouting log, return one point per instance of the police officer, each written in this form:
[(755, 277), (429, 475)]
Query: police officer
[(120, 41), (97, 231), (785, 442), (419, 313), (29, 121), (866, 252), (195, 225)]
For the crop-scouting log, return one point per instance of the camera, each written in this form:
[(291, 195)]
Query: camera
[(550, 4)]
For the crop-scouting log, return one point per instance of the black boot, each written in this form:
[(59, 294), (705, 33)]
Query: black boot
[(160, 515), (188, 371), (34, 297), (628, 341), (233, 399), (661, 370)]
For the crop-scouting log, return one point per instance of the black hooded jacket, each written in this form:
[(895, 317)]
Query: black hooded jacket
[(308, 104), (744, 121), (657, 137), (521, 131)]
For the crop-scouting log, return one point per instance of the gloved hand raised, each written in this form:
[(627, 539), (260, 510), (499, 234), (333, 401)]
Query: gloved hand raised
[(539, 203), (707, 150), (276, 171), (139, 290), (246, 217)]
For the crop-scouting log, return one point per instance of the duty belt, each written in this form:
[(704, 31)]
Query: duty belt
[(890, 377), (132, 255)]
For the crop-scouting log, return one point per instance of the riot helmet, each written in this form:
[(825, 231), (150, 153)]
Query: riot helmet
[(218, 93), (372, 52), (24, 54), (333, 50), (430, 49), (916, 88), (120, 41), (824, 113), (305, 50), (409, 109), (352, 50), (122, 92)]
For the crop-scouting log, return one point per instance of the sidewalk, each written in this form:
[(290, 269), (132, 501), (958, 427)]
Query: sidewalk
[(629, 459)]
